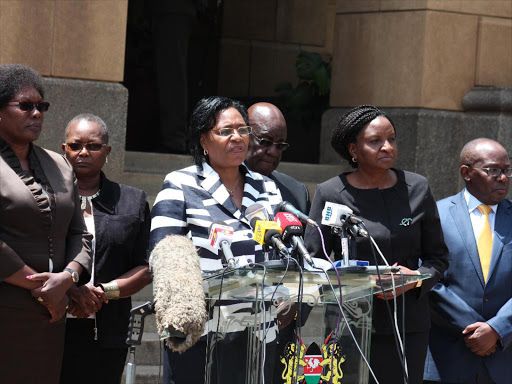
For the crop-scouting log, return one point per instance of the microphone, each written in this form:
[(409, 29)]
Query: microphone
[(221, 236), (180, 309), (338, 215), (285, 206), (256, 210), (292, 231), (268, 232)]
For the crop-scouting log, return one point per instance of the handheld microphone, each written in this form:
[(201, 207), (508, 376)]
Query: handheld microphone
[(221, 236), (285, 206), (292, 231), (338, 215), (178, 290), (269, 233)]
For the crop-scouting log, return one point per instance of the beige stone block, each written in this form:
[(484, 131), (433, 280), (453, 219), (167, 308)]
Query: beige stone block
[(302, 21), (349, 6), (432, 68), (252, 20), (331, 19), (234, 68), (403, 5), (494, 54), (449, 59), (90, 38), (26, 33), (500, 8), (372, 61), (272, 64)]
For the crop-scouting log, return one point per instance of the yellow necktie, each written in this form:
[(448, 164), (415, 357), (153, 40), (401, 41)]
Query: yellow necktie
[(484, 242)]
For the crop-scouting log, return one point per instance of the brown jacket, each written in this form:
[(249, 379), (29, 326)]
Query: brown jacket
[(27, 236)]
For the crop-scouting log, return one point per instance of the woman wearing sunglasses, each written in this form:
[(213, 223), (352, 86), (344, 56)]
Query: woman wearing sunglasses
[(217, 188), (44, 245), (118, 217)]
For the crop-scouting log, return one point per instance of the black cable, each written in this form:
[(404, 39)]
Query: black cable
[(397, 343)]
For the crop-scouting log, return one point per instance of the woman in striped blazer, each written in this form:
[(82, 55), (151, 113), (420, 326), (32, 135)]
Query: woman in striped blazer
[(218, 187)]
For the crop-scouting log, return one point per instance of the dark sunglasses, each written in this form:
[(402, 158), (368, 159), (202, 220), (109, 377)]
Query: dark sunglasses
[(91, 147), (27, 106), (268, 143)]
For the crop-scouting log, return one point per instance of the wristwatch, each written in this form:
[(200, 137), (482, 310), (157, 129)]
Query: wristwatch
[(420, 282), (74, 275)]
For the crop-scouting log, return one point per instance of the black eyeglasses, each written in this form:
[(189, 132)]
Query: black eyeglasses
[(27, 106), (268, 143), (91, 147), (495, 172), (226, 132)]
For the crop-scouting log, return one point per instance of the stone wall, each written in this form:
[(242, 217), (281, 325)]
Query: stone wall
[(419, 53), (74, 39), (261, 40)]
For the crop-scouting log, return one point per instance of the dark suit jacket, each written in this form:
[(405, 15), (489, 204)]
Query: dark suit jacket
[(420, 243), (292, 191), (462, 297)]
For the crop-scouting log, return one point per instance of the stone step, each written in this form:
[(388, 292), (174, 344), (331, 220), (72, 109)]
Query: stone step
[(146, 374), (147, 171), (145, 294), (148, 353)]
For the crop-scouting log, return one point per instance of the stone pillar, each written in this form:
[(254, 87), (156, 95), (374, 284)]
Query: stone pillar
[(419, 53)]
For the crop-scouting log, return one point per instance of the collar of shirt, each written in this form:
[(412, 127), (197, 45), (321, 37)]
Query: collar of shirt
[(475, 214)]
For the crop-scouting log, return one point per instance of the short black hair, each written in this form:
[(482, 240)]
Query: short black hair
[(349, 127), (204, 118), (16, 77)]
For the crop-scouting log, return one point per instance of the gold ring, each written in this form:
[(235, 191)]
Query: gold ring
[(40, 299)]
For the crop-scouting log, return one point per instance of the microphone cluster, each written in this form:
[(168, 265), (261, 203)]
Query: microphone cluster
[(285, 229)]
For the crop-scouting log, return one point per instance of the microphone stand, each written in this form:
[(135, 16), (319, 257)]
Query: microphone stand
[(348, 246)]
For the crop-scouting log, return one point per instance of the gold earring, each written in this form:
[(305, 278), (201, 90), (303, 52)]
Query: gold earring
[(106, 159), (354, 160), (205, 152)]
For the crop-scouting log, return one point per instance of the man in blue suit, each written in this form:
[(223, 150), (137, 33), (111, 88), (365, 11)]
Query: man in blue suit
[(471, 334)]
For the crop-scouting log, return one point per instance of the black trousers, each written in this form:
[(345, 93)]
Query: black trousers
[(385, 361), (85, 362), (228, 363)]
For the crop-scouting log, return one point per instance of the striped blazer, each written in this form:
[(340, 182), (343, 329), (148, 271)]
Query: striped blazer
[(192, 199)]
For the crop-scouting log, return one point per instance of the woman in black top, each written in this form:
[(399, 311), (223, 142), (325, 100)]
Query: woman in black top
[(118, 217), (400, 213)]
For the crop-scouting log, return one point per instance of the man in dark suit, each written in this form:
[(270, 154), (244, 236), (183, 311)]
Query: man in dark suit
[(267, 143), (471, 334)]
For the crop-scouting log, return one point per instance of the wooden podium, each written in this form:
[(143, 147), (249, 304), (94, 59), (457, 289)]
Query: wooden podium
[(326, 349)]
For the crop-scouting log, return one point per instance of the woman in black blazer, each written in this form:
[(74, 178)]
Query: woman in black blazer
[(400, 213)]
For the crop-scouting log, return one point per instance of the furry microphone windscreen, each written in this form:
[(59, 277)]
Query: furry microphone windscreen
[(178, 291)]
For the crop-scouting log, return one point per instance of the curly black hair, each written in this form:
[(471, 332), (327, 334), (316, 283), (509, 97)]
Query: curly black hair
[(16, 77), (204, 118), (349, 127)]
